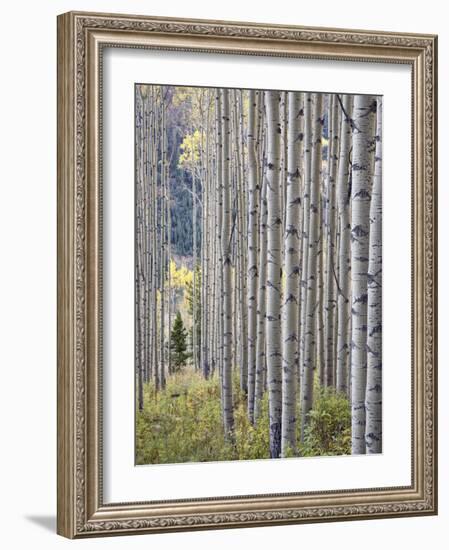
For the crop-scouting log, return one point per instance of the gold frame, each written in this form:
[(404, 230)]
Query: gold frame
[(81, 37)]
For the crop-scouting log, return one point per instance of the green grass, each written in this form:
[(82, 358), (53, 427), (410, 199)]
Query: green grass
[(183, 423)]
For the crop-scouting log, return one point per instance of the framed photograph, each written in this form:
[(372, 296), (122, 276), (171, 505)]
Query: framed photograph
[(246, 274)]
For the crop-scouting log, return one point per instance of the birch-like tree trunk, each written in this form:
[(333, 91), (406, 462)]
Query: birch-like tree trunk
[(330, 303), (307, 144), (219, 216), (319, 359), (228, 412), (241, 240), (373, 399), (203, 247), (140, 280), (344, 250), (261, 303), (195, 281), (313, 237), (362, 180), (273, 285), (154, 241), (252, 269), (162, 266), (290, 307)]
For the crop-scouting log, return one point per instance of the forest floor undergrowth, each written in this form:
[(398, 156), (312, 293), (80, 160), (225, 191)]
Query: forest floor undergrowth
[(183, 423)]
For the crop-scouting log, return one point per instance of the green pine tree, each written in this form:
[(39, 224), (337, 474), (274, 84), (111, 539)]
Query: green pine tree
[(178, 348)]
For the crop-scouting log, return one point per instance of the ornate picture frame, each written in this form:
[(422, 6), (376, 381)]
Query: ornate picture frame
[(82, 38)]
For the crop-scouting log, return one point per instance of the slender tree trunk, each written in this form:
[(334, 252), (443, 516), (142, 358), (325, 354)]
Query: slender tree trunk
[(213, 247), (194, 282), (261, 360), (243, 241), (252, 272), (305, 226), (362, 178), (313, 237), (373, 399), (227, 270), (163, 242), (290, 313), (330, 302), (344, 251), (261, 302), (240, 237), (154, 247), (274, 251), (140, 350), (320, 337), (206, 339), (169, 289), (219, 215), (150, 239)]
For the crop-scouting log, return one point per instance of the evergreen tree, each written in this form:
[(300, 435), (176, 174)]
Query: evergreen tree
[(178, 349)]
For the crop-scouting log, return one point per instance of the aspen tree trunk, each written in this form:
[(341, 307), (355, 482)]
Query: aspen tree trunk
[(194, 282), (362, 178), (202, 181), (330, 287), (213, 244), (252, 272), (219, 215), (227, 269), (207, 230), (140, 357), (262, 272), (149, 228), (320, 289), (163, 243), (240, 242), (307, 142), (261, 309), (169, 290), (283, 115), (151, 208), (150, 224), (344, 250), (300, 224), (235, 286), (243, 240), (154, 248), (273, 285), (337, 275), (373, 399), (204, 161), (313, 237), (290, 310)]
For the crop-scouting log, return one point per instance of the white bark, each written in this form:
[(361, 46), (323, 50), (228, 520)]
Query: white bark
[(329, 284), (362, 179), (252, 267), (273, 285), (228, 411), (307, 144), (313, 237), (261, 306), (163, 244), (290, 307), (344, 252), (373, 399)]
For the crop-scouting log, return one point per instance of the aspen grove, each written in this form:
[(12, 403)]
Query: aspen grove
[(258, 274)]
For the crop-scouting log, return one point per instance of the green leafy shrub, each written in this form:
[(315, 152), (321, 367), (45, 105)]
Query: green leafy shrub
[(329, 428)]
